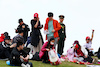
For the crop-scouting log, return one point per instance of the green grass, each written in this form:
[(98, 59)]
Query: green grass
[(40, 64)]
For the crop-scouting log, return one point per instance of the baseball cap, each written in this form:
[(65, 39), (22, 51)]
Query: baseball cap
[(36, 15), (7, 38), (61, 16), (50, 14), (87, 37), (6, 34), (20, 20)]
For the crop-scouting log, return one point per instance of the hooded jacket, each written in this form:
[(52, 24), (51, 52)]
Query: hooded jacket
[(2, 38), (43, 49), (56, 26)]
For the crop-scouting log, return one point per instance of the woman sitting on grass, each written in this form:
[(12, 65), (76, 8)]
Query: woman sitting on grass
[(79, 54), (82, 54), (48, 53), (45, 49), (70, 55)]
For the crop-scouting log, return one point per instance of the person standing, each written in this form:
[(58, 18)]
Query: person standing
[(82, 54), (25, 27), (62, 35), (36, 36), (52, 26)]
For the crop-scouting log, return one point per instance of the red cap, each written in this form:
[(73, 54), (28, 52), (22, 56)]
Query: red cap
[(2, 34), (36, 15), (87, 37), (75, 45)]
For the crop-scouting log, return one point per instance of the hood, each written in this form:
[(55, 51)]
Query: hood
[(2, 36)]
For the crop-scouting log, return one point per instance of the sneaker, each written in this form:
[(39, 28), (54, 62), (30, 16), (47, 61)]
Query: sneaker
[(81, 63), (95, 61), (74, 61), (23, 65), (87, 63)]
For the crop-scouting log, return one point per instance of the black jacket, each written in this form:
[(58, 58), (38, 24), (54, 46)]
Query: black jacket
[(15, 56), (4, 50), (62, 31), (35, 33), (26, 29)]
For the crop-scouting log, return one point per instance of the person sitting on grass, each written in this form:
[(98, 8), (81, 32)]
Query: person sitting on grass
[(88, 44), (69, 55), (82, 54), (45, 49), (19, 57), (48, 53), (3, 35), (5, 48)]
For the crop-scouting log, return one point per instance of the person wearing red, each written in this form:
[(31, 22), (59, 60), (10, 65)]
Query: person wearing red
[(43, 54), (88, 44), (52, 27), (5, 47), (82, 54), (36, 36), (2, 38), (3, 35)]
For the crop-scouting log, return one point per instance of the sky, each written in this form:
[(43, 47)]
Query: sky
[(81, 16)]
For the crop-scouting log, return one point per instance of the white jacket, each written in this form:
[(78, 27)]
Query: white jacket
[(84, 50)]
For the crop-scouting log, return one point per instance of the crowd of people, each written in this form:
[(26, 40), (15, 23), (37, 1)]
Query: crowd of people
[(23, 47)]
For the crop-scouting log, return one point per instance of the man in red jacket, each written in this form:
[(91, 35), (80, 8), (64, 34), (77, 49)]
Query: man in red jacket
[(51, 28)]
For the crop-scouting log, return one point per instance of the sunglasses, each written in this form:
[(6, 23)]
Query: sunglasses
[(50, 16), (35, 17), (88, 39)]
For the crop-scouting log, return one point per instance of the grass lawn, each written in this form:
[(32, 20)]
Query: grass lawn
[(40, 64)]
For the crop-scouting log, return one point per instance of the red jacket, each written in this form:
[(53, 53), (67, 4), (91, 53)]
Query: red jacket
[(56, 27), (2, 38), (79, 52)]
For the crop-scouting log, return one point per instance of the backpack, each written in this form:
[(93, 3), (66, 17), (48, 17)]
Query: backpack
[(98, 53), (36, 57)]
